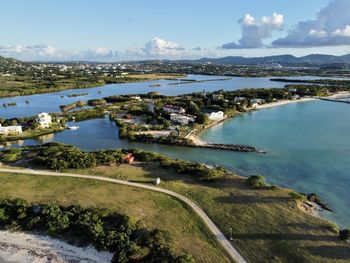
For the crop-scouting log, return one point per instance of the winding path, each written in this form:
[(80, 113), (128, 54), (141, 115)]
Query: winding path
[(234, 254)]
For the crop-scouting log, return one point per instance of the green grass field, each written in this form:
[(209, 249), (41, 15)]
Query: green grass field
[(267, 225), (151, 209)]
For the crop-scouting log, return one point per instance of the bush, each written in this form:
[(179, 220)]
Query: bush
[(298, 196), (333, 227), (103, 229), (344, 234), (256, 181)]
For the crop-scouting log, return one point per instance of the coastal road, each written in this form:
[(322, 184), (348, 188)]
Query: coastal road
[(225, 243)]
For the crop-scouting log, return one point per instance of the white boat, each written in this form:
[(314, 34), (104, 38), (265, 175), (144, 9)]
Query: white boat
[(73, 128)]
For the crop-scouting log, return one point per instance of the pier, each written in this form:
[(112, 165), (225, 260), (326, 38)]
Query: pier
[(341, 100)]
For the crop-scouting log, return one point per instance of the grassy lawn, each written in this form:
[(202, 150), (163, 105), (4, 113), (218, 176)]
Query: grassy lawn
[(153, 210), (266, 224)]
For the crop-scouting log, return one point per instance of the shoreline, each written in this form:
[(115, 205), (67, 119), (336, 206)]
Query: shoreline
[(29, 247), (194, 134)]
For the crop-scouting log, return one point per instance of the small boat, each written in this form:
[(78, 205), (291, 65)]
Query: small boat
[(73, 128)]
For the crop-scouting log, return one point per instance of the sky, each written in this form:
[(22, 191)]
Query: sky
[(118, 30)]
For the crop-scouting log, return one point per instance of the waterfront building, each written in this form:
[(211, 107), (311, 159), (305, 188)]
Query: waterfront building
[(10, 130), (173, 109), (215, 115), (44, 119), (181, 119)]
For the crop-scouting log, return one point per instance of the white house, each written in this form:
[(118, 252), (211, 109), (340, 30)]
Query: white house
[(181, 119), (10, 130), (44, 119), (173, 109), (215, 115), (258, 101)]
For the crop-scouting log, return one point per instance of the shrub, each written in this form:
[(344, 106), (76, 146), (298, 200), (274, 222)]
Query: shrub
[(344, 234), (298, 196), (333, 227), (102, 228), (256, 181)]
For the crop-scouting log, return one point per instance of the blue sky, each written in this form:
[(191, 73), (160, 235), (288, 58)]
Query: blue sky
[(112, 30)]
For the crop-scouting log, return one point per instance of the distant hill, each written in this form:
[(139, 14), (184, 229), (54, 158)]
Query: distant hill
[(316, 59)]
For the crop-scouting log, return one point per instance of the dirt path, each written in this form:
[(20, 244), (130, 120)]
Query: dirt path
[(234, 254)]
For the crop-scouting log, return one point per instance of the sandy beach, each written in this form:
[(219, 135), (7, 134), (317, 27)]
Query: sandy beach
[(29, 248), (194, 135), (281, 103)]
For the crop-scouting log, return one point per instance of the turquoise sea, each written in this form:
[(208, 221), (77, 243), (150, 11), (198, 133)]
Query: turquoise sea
[(307, 143)]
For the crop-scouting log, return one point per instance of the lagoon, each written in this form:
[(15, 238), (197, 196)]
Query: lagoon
[(50, 102), (307, 144)]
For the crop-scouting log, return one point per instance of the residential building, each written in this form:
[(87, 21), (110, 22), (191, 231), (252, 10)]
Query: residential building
[(258, 101), (215, 115), (173, 109), (10, 130), (44, 119), (218, 97), (181, 119)]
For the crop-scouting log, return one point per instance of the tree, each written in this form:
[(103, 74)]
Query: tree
[(256, 181), (202, 118), (344, 234)]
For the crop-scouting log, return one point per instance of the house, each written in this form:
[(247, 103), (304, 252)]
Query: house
[(10, 130), (218, 97), (213, 114), (173, 109), (295, 97), (44, 119), (216, 115), (181, 119), (138, 98), (239, 99), (258, 101), (129, 158)]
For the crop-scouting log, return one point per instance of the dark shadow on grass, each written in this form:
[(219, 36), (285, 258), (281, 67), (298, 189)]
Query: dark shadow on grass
[(245, 199), (307, 226), (285, 237), (331, 252)]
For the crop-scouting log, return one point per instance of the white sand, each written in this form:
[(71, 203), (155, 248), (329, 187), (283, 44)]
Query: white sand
[(280, 103), (27, 248)]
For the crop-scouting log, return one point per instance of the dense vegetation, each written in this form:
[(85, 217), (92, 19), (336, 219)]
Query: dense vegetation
[(104, 229), (57, 156)]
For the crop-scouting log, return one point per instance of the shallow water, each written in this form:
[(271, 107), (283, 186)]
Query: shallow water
[(307, 143), (50, 102)]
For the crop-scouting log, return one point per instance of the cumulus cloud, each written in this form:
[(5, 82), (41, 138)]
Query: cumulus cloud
[(158, 47), (254, 32), (330, 28), (35, 51)]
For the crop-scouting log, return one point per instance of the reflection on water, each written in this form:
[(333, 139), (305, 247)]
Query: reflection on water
[(46, 138)]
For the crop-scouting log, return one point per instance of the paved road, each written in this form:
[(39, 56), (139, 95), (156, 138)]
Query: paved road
[(212, 227)]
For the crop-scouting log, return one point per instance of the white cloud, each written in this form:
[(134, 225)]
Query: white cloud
[(319, 33), (158, 47), (254, 32), (345, 32), (330, 28), (35, 52), (248, 20)]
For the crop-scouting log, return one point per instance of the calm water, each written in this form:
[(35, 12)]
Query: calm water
[(50, 102), (308, 143), (308, 148)]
